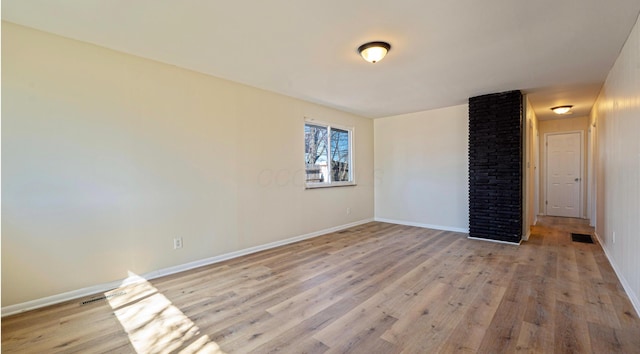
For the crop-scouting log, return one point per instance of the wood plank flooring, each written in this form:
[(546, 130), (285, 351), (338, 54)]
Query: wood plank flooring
[(375, 288)]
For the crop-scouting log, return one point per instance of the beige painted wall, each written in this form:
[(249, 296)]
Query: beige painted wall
[(556, 126), (421, 164), (107, 157), (616, 116), (531, 166)]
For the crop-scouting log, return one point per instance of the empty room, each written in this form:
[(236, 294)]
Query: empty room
[(320, 177)]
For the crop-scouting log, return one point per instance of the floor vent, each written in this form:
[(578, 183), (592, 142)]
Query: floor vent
[(101, 298), (584, 238)]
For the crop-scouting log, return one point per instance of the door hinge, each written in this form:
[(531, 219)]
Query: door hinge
[(546, 202)]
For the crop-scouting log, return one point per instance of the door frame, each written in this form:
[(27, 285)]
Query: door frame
[(591, 175), (536, 173), (546, 170)]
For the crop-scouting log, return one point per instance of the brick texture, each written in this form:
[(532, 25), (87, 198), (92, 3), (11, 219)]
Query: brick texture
[(495, 166)]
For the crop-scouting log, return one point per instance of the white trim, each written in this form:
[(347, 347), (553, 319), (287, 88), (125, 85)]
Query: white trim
[(426, 226), (536, 174), (317, 122), (91, 290), (592, 195), (58, 298), (314, 185), (633, 297), (352, 152), (444, 228), (526, 236), (546, 170), (589, 175), (525, 166), (495, 241)]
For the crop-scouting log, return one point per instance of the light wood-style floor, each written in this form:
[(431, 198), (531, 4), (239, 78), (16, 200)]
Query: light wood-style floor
[(376, 288)]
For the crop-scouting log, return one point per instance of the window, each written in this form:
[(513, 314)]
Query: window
[(328, 155)]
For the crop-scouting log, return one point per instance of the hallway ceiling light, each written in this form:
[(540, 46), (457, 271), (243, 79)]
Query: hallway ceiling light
[(562, 109), (373, 52)]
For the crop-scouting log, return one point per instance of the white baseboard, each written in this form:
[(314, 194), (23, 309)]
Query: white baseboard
[(91, 290), (627, 288), (58, 298), (526, 236), (246, 251), (495, 241), (426, 226)]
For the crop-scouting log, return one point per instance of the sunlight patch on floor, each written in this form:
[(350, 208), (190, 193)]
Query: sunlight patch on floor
[(154, 324)]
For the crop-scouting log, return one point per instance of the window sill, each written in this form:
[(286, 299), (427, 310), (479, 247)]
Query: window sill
[(333, 185)]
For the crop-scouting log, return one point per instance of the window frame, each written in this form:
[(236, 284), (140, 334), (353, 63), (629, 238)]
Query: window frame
[(330, 183)]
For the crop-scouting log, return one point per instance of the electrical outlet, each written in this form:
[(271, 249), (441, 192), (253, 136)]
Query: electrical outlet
[(177, 243), (348, 211)]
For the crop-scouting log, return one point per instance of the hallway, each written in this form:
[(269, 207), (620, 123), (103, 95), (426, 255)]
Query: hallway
[(581, 292)]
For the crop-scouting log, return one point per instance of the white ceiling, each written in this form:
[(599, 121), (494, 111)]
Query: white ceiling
[(443, 52)]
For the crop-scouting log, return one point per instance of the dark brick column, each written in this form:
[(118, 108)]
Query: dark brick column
[(495, 166)]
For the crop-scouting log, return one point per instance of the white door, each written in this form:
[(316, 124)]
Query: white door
[(563, 174)]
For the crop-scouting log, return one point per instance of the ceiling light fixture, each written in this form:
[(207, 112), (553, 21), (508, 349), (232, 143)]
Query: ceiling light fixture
[(561, 109), (373, 52)]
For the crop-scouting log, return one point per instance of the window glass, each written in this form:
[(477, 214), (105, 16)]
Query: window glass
[(327, 155)]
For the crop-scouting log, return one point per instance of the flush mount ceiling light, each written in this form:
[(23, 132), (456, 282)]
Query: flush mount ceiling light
[(561, 109), (373, 52)]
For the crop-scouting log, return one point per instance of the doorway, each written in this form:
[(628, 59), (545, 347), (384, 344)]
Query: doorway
[(564, 174)]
